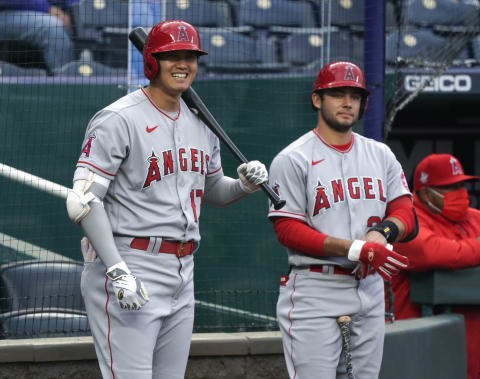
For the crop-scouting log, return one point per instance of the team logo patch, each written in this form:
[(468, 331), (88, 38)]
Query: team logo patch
[(153, 170), (88, 146), (276, 188), (182, 34), (321, 199), (349, 74), (404, 181), (371, 255), (456, 170), (423, 177)]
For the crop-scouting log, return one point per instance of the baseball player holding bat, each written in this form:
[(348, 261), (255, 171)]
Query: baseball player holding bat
[(346, 201), (146, 166)]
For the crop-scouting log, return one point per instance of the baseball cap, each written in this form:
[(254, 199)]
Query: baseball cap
[(439, 170)]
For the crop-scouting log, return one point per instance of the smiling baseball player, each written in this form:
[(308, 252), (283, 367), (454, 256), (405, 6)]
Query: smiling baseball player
[(346, 200), (146, 166)]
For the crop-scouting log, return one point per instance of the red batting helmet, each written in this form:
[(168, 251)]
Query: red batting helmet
[(169, 35), (342, 74)]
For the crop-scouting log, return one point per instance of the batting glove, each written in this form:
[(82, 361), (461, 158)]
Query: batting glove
[(130, 291), (251, 175), (385, 261)]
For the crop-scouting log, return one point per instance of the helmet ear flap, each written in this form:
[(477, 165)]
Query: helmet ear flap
[(150, 66)]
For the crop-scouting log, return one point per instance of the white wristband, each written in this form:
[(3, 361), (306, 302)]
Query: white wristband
[(120, 265), (355, 249)]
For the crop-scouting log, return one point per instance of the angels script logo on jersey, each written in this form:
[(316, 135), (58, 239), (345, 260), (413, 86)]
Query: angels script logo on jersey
[(164, 164), (88, 146), (355, 188)]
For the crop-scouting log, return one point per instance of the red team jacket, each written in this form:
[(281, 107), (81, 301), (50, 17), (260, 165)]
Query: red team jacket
[(441, 244)]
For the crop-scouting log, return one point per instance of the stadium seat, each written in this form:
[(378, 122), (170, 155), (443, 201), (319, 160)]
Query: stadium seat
[(40, 285), (422, 45), (233, 52), (102, 26), (90, 69), (93, 17), (441, 12), (32, 323), (199, 12), (9, 69), (263, 14), (344, 13), (300, 49)]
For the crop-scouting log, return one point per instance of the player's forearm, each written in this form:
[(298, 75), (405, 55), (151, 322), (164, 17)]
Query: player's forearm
[(223, 191), (98, 230), (297, 235), (402, 213), (429, 252)]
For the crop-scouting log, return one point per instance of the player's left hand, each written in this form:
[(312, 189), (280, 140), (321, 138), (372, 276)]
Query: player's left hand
[(385, 261), (251, 175)]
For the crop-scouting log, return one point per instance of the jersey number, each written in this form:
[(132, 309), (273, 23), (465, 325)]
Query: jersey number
[(199, 194), (373, 220)]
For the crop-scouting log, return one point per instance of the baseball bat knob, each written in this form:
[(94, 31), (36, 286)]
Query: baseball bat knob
[(344, 319), (279, 204)]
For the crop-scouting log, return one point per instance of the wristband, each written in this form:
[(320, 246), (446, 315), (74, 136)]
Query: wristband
[(388, 229)]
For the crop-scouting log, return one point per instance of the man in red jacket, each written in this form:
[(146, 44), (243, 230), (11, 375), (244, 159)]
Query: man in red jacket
[(448, 238)]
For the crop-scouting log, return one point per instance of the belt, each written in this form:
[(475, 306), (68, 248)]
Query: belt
[(179, 248), (338, 270)]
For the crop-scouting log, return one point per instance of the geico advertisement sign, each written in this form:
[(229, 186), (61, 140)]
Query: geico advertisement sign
[(442, 83)]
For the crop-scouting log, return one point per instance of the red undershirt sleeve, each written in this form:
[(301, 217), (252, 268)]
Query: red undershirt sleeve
[(297, 235), (402, 209)]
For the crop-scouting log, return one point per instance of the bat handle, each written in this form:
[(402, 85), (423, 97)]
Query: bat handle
[(277, 202)]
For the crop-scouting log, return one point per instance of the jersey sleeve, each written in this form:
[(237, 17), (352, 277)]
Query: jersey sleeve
[(396, 182), (214, 166), (287, 178), (106, 144)]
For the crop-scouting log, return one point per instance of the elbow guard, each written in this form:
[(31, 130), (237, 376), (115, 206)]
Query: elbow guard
[(78, 199), (80, 196)]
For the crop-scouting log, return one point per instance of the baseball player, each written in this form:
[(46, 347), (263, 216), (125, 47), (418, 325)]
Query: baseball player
[(346, 201), (146, 166)]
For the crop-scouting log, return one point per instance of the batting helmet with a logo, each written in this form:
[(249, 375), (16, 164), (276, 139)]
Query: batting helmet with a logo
[(169, 35), (342, 74)]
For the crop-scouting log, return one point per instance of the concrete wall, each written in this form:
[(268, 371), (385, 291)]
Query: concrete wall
[(413, 349)]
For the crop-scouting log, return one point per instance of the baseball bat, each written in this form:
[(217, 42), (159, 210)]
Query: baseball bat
[(344, 323), (138, 37)]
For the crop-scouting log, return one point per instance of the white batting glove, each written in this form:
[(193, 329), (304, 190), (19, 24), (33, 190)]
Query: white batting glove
[(129, 290), (251, 175)]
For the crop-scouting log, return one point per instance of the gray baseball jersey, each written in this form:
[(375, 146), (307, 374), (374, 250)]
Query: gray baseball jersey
[(160, 162), (338, 193)]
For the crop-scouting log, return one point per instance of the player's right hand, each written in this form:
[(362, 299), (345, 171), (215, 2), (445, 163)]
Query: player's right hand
[(129, 290), (251, 175), (385, 261)]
